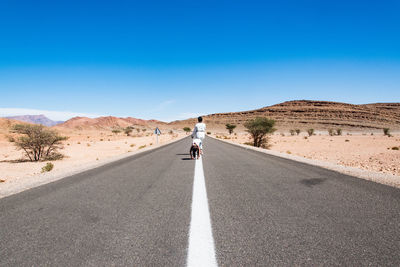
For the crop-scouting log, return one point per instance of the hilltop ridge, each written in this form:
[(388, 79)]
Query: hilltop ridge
[(310, 113)]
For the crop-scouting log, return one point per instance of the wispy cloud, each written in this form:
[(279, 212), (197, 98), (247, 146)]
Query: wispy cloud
[(51, 114), (163, 105)]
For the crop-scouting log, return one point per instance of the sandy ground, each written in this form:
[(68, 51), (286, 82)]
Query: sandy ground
[(81, 149), (359, 150)]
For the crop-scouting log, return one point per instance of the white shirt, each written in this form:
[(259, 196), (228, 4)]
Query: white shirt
[(197, 141), (199, 130)]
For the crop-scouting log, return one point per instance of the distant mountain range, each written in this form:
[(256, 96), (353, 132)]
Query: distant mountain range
[(290, 114), (36, 119), (109, 122)]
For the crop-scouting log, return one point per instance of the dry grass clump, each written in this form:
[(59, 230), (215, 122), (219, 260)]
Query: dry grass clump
[(48, 167), (142, 146)]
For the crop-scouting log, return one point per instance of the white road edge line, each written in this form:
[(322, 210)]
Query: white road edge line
[(201, 250)]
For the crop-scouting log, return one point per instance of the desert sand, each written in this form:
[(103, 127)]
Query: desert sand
[(360, 150)]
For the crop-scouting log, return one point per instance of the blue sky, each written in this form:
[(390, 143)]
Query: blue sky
[(176, 59)]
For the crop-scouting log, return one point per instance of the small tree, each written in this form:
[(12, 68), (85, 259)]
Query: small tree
[(186, 129), (310, 132), (37, 141), (258, 129), (386, 131), (230, 127), (339, 131), (292, 132), (297, 131), (331, 132), (128, 130)]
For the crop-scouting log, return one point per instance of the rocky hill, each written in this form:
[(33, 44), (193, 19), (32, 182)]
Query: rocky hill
[(317, 114), (109, 122), (36, 119)]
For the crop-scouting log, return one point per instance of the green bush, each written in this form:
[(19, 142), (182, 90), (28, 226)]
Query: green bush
[(230, 127), (258, 129), (339, 131), (386, 131), (297, 131), (331, 132), (186, 129), (48, 167), (310, 132), (128, 130), (37, 141), (116, 131)]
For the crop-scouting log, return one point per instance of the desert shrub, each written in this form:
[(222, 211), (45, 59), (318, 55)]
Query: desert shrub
[(143, 130), (186, 129), (132, 145), (230, 127), (292, 132), (282, 134), (116, 131), (297, 131), (48, 167), (347, 140), (142, 146), (258, 129), (310, 132), (339, 131), (331, 132), (11, 139), (386, 131), (128, 130), (88, 144), (37, 141), (171, 132), (288, 152), (151, 144), (101, 139), (208, 132), (138, 130), (395, 148)]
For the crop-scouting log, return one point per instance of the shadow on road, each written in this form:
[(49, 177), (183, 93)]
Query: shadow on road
[(312, 182)]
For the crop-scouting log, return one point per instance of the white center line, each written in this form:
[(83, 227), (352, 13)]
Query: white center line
[(201, 243)]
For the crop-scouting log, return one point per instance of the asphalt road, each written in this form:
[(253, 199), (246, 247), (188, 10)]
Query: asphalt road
[(264, 211)]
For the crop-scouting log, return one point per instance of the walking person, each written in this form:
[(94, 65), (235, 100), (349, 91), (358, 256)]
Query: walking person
[(199, 132)]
